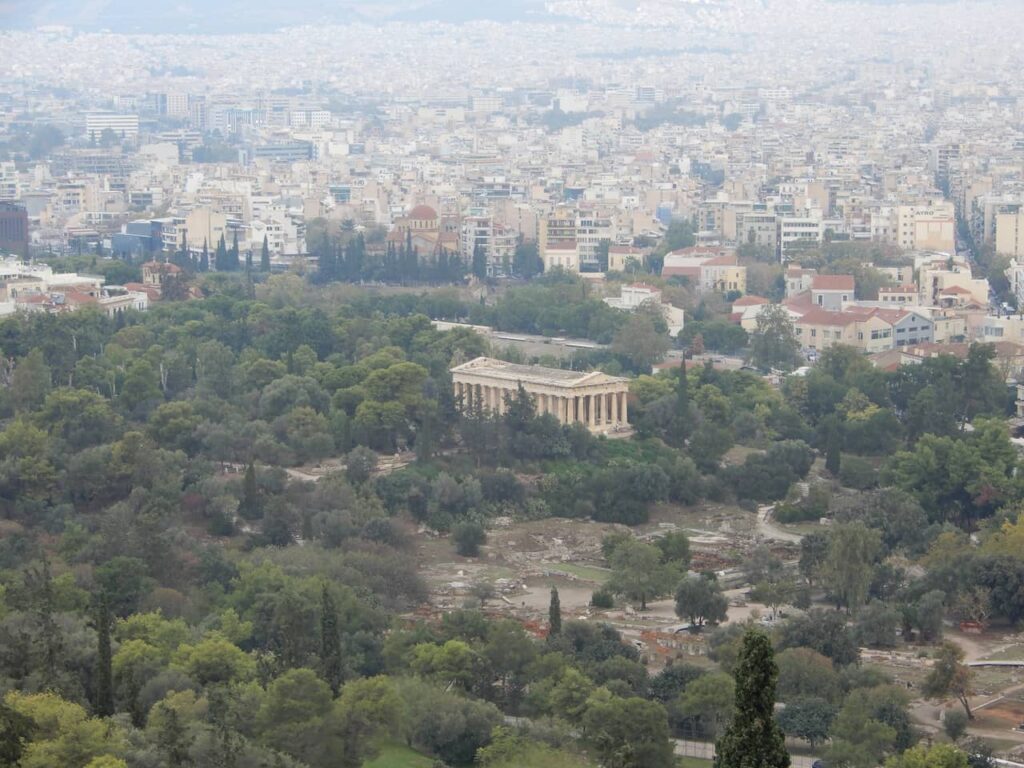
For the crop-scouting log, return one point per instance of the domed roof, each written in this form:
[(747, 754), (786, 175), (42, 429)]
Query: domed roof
[(422, 212)]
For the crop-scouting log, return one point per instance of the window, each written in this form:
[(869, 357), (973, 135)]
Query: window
[(814, 332)]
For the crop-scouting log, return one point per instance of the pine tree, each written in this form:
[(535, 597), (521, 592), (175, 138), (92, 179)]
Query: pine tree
[(250, 507), (104, 669), (754, 739), (330, 642), (265, 255), (554, 614), (172, 739)]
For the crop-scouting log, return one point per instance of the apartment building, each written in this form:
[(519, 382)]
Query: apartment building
[(926, 227), (707, 268), (899, 295), (796, 233), (561, 254), (1010, 233), (868, 329), (14, 237), (950, 285), (122, 126), (632, 297), (832, 292), (798, 280)]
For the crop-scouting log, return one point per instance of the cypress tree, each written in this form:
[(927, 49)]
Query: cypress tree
[(682, 415), (204, 258), (249, 506), (554, 614), (330, 641), (833, 449), (220, 258), (265, 256), (754, 739), (233, 262), (479, 262), (104, 657)]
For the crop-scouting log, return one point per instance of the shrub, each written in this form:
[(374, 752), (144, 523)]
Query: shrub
[(955, 723), (602, 598), (858, 473), (468, 538)]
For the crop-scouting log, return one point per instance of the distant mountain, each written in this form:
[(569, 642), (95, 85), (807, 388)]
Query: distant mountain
[(226, 16)]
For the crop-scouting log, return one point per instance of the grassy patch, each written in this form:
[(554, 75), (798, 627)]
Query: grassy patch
[(585, 572), (692, 762), (1013, 653), (399, 756)]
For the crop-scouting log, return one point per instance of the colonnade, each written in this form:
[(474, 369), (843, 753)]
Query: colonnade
[(600, 407)]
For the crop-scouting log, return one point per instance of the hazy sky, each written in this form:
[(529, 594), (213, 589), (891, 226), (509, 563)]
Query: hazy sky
[(217, 16)]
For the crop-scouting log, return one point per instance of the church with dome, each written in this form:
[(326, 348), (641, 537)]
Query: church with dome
[(428, 231)]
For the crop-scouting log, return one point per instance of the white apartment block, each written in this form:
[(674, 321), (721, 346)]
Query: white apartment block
[(1009, 233), (10, 185), (122, 126), (797, 231), (926, 227)]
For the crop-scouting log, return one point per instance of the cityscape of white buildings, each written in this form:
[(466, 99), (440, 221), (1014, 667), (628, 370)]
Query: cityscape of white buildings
[(587, 133)]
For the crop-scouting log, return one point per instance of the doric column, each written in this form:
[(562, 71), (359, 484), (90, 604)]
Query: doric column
[(615, 407), (565, 410), (499, 405), (625, 407), (592, 411)]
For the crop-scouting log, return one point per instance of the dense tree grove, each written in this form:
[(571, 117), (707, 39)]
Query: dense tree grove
[(173, 591)]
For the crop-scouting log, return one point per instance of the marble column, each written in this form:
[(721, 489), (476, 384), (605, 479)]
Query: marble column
[(592, 411), (615, 407), (625, 407)]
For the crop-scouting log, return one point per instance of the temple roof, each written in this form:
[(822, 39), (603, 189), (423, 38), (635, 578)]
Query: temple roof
[(535, 374)]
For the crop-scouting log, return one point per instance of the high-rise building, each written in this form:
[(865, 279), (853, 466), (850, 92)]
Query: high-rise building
[(13, 228)]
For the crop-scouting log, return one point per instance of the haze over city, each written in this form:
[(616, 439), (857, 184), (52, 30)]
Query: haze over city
[(522, 384)]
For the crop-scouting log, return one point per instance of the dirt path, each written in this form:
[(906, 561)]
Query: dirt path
[(767, 529)]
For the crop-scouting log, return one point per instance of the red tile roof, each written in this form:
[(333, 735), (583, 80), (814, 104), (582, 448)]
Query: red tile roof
[(832, 283), (823, 317), (749, 300)]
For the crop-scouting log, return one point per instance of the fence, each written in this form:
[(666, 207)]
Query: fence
[(706, 751)]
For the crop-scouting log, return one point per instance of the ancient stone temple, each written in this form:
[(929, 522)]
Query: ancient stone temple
[(594, 399)]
